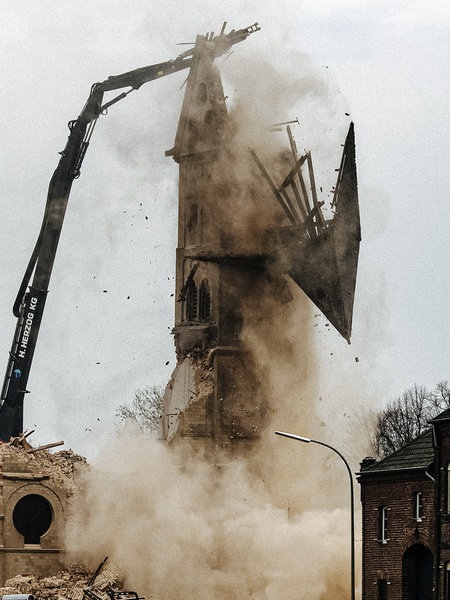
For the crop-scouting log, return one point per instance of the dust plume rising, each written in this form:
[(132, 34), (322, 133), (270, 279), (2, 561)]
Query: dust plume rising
[(272, 523), (277, 316), (180, 527)]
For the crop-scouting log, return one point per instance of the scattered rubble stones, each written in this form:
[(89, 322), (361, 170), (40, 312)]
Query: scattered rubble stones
[(58, 465), (67, 584), (65, 461), (64, 585)]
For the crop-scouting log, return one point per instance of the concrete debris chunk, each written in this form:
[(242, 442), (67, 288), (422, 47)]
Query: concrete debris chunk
[(20, 584)]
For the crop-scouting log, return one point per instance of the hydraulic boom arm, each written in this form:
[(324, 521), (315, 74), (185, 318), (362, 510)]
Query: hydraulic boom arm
[(30, 301)]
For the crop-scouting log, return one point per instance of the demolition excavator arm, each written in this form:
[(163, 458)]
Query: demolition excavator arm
[(29, 305)]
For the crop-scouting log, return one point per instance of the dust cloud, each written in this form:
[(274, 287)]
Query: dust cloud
[(273, 522), (180, 527)]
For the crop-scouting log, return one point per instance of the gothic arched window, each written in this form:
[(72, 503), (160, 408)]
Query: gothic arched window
[(191, 301), (204, 309)]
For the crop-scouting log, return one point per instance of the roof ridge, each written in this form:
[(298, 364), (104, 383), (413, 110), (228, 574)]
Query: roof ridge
[(394, 461), (441, 416)]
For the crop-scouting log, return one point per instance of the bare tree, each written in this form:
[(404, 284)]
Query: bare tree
[(145, 410), (441, 396), (408, 416)]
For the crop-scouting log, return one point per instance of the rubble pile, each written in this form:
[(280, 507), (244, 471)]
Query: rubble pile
[(74, 583), (64, 461), (59, 466), (65, 585)]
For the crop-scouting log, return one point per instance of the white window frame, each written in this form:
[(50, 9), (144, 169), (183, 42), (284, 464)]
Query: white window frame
[(383, 524), (448, 488), (418, 507)]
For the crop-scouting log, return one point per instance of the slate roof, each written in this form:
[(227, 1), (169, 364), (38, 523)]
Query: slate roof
[(417, 455)]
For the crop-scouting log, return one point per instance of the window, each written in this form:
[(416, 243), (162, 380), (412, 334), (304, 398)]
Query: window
[(32, 517), (447, 581), (417, 506), (191, 301), (382, 585), (204, 308), (448, 488), (383, 524)]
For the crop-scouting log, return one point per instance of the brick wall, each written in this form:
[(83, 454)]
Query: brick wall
[(442, 431), (383, 561)]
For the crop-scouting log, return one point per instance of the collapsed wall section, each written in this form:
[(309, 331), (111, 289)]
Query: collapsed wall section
[(35, 497)]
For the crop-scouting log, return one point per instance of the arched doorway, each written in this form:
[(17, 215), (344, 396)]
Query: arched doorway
[(417, 573)]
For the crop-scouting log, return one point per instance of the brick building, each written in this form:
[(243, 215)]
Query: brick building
[(406, 519)]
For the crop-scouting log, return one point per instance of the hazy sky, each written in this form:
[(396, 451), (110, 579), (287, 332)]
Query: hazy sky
[(386, 64)]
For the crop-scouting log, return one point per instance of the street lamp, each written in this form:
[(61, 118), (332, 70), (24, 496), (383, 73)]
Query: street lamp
[(299, 438)]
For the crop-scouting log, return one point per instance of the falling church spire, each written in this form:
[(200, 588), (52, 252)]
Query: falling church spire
[(236, 246)]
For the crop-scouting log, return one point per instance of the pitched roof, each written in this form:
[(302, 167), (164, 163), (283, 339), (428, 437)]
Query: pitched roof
[(417, 455), (443, 416)]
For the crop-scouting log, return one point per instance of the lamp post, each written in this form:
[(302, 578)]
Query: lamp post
[(299, 438)]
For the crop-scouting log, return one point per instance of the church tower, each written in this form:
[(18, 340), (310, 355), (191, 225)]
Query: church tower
[(214, 394), (243, 241)]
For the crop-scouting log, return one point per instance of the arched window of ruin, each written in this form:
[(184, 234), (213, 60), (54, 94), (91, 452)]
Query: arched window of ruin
[(32, 517), (191, 301), (204, 304)]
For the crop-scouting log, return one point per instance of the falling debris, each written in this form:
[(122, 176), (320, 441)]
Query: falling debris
[(321, 255), (45, 447), (218, 397), (239, 252)]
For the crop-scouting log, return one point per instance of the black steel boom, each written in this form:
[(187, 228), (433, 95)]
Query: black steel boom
[(30, 301)]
